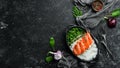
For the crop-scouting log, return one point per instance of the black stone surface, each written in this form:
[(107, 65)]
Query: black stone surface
[(24, 41)]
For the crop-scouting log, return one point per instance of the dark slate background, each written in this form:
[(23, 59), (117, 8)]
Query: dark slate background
[(24, 42)]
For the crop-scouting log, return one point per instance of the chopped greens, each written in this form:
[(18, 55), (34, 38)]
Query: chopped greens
[(76, 12), (73, 34)]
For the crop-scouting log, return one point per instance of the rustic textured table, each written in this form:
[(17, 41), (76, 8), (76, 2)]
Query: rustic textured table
[(27, 25)]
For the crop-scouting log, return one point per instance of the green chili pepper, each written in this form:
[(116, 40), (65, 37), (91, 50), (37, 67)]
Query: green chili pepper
[(48, 59), (52, 43), (116, 12)]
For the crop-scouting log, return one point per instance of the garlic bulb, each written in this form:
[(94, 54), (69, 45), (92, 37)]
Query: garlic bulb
[(57, 55)]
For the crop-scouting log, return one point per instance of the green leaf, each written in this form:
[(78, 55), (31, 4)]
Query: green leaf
[(76, 12), (52, 42), (48, 59)]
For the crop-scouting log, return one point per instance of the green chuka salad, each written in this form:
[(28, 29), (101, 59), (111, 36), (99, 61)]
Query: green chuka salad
[(73, 34)]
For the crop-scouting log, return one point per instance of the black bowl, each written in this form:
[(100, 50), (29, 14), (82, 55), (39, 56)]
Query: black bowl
[(97, 56)]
